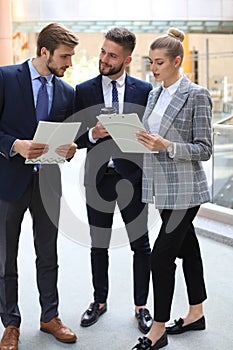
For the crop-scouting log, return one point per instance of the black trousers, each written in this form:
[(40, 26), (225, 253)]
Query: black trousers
[(100, 209), (176, 239), (45, 225)]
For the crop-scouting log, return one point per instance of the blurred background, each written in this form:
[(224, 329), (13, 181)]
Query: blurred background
[(208, 26)]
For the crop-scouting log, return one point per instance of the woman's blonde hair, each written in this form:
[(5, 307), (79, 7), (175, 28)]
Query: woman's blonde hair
[(171, 42)]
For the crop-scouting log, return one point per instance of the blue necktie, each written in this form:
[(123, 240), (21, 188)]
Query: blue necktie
[(115, 101), (42, 104)]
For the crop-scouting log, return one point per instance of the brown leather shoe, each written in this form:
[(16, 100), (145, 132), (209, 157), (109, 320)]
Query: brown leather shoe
[(10, 338), (58, 330)]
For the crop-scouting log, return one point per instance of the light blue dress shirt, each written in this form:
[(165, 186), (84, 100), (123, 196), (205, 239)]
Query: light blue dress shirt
[(36, 84), (35, 88), (107, 92)]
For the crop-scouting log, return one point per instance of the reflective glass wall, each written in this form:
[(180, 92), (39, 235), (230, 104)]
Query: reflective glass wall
[(223, 163)]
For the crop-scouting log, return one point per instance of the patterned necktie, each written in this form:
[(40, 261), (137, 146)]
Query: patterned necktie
[(42, 104), (115, 101)]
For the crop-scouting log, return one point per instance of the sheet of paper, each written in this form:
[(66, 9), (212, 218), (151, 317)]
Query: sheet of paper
[(123, 129), (53, 134)]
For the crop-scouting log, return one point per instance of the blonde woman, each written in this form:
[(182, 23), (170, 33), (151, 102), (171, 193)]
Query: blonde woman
[(178, 123)]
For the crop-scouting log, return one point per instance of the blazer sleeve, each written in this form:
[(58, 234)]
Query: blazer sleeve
[(6, 140), (200, 149), (85, 112)]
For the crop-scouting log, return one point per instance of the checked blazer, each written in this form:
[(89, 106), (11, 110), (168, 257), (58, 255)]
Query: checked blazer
[(180, 182)]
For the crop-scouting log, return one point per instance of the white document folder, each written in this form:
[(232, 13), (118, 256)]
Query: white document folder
[(53, 134), (123, 129)]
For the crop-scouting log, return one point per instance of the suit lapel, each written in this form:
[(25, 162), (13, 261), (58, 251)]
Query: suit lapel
[(174, 106), (24, 79), (130, 95), (153, 98), (55, 100), (96, 91)]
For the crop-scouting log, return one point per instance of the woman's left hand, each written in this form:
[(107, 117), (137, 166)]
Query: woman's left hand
[(153, 142)]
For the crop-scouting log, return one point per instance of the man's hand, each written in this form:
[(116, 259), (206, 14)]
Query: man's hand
[(66, 151), (99, 132), (28, 149)]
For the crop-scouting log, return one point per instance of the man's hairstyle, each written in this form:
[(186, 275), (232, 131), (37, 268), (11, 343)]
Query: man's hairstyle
[(123, 37), (53, 35)]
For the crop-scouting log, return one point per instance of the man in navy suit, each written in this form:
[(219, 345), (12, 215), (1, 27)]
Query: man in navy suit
[(24, 186), (112, 176)]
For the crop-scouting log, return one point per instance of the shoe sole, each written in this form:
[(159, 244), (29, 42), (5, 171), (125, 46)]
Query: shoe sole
[(69, 341), (185, 330), (159, 347)]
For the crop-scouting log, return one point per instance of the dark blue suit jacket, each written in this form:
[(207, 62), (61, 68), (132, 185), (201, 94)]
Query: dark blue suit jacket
[(88, 103), (18, 121)]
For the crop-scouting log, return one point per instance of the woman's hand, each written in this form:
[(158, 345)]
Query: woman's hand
[(153, 142)]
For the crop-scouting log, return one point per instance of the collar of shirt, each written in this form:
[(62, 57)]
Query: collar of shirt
[(36, 83), (166, 96), (164, 99), (107, 81), (35, 74), (172, 88), (107, 90)]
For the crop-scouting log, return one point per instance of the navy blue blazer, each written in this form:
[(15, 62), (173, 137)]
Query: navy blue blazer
[(18, 121), (88, 102)]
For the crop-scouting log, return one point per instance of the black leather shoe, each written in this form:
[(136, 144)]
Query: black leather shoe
[(178, 328), (145, 343), (92, 314), (144, 320)]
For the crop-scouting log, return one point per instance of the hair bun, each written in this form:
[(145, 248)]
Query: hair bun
[(176, 33)]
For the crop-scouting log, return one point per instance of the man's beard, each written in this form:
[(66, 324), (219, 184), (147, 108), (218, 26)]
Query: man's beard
[(52, 70), (112, 71)]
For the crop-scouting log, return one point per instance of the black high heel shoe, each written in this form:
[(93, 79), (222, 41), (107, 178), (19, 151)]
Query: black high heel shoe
[(145, 343)]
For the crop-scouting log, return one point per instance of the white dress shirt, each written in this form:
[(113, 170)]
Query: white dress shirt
[(164, 99), (36, 84), (107, 92)]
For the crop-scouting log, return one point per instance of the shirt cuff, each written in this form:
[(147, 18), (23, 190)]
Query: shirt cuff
[(90, 136), (173, 153), (11, 153)]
